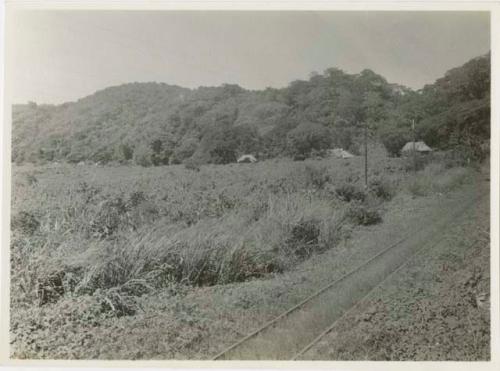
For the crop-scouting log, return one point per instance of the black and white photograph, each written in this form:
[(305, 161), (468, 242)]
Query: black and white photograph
[(248, 185)]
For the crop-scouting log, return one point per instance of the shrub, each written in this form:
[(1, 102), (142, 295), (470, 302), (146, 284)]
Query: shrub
[(103, 155), (451, 179), (142, 155), (89, 192), (186, 149), (362, 215), (116, 302), (25, 222), (318, 177), (109, 217), (418, 187), (382, 189), (419, 162), (436, 178), (192, 164), (319, 154), (348, 193), (123, 152), (299, 157), (144, 212), (50, 288), (135, 198), (304, 238), (460, 156), (242, 264)]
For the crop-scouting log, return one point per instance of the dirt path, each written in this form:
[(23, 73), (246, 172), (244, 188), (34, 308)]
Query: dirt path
[(291, 334)]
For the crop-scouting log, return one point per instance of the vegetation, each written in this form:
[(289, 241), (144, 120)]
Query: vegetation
[(96, 240), (157, 124), (91, 245), (434, 179), (419, 314)]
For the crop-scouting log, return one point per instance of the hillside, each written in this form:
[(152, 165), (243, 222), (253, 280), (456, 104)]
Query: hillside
[(156, 123)]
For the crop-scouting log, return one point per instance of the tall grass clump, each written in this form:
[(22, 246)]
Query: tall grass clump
[(437, 178), (383, 188), (363, 214), (213, 251), (317, 176)]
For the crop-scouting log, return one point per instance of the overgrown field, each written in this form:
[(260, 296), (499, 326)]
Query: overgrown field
[(88, 242)]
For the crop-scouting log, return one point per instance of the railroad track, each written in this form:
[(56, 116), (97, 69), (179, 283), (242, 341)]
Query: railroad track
[(309, 346), (336, 298)]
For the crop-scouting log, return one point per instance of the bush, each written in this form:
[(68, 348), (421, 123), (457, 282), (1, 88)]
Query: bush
[(382, 189), (348, 193), (123, 153), (50, 288), (192, 164), (318, 177), (419, 162), (25, 222), (362, 215), (299, 157), (116, 302), (142, 155), (110, 216), (135, 199), (304, 238), (186, 149), (436, 178), (459, 157), (419, 187)]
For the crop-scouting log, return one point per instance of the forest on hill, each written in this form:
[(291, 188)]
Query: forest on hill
[(152, 124)]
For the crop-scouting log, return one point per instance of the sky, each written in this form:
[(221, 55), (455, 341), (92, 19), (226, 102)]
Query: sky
[(61, 56)]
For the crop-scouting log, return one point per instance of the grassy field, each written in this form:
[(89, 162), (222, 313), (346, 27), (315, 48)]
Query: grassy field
[(106, 258)]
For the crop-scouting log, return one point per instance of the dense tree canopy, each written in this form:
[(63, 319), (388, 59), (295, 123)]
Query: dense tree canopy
[(308, 137), (157, 124)]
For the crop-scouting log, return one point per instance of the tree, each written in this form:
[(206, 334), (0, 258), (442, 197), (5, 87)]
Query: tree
[(247, 139), (218, 145), (307, 137), (456, 108), (394, 139), (185, 150), (160, 153)]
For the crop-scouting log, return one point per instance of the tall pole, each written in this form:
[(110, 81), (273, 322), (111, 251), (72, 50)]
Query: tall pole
[(414, 146), (366, 154)]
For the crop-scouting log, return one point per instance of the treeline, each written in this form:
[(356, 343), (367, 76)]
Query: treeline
[(154, 124)]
